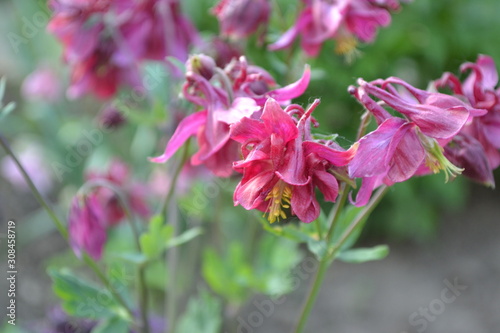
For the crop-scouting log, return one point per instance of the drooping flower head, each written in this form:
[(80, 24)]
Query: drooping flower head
[(346, 21), (105, 40), (480, 90), (404, 145), (87, 226), (282, 164), (118, 175), (224, 96), (241, 18)]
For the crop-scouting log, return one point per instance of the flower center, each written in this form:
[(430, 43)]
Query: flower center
[(279, 197)]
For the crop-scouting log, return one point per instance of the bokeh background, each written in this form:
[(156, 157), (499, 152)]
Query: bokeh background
[(437, 232)]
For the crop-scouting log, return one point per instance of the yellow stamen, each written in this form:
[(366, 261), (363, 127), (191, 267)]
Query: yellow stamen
[(279, 197), (436, 161)]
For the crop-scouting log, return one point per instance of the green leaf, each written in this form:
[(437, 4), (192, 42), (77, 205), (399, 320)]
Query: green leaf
[(83, 299), (203, 315), (153, 242), (184, 237), (112, 325), (361, 255)]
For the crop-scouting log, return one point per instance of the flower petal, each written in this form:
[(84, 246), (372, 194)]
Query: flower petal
[(186, 128)]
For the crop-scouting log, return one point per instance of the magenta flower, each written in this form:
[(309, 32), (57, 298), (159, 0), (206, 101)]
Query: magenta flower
[(396, 150), (342, 20), (118, 175), (282, 164), (468, 153), (245, 90), (479, 89), (86, 226), (241, 18), (104, 41)]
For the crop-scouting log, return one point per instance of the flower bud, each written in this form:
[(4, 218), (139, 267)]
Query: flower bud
[(202, 65)]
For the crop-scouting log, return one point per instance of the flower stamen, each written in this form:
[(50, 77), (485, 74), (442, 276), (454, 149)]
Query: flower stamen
[(279, 197)]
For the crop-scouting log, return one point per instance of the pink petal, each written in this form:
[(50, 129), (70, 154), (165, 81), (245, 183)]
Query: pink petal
[(375, 150), (335, 157), (304, 203)]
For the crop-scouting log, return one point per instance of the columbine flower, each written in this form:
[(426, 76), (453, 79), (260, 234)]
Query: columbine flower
[(118, 175), (282, 165), (104, 41), (241, 18), (479, 89), (241, 92), (86, 226), (346, 21), (396, 150), (468, 153)]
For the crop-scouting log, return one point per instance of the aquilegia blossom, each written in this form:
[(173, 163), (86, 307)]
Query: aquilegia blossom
[(346, 21), (225, 96), (241, 18), (118, 175), (479, 141), (87, 226), (400, 146), (105, 40), (282, 164)]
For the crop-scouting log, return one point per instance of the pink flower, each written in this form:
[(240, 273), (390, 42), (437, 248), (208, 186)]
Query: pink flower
[(468, 153), (396, 150), (42, 85), (342, 20), (104, 41), (242, 91), (241, 18), (479, 89), (282, 164), (86, 226), (33, 159), (118, 175)]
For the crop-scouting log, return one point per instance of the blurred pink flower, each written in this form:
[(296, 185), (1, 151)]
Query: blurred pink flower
[(342, 20), (42, 85), (135, 193), (104, 41), (87, 226), (241, 18), (32, 159), (480, 90)]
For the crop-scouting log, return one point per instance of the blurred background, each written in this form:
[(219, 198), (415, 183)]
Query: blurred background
[(438, 233)]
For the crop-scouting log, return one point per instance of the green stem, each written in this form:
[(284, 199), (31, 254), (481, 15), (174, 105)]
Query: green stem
[(173, 184), (325, 263), (171, 259), (34, 190), (62, 230)]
